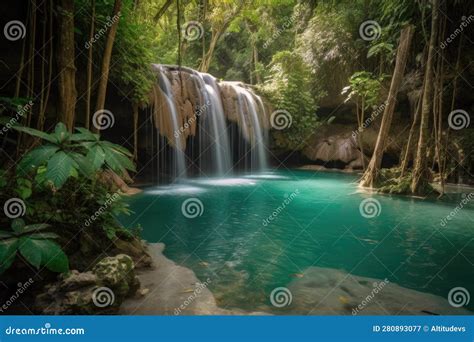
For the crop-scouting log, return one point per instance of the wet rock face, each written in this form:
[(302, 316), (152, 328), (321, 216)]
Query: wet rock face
[(191, 105), (340, 147), (340, 143), (99, 291)]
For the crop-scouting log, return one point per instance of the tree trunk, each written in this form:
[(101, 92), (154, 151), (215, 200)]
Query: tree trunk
[(216, 35), (41, 116), (89, 68), (408, 149), (373, 168), (104, 74), (419, 179), (66, 65), (135, 131)]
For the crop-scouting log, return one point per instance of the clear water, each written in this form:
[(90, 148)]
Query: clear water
[(320, 225)]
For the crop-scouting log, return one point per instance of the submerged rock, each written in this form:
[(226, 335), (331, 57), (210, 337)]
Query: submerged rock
[(173, 290), (326, 291)]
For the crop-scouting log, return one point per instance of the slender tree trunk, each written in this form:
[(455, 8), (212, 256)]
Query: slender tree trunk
[(414, 124), (216, 35), (453, 97), (371, 174), (438, 112), (104, 74), (420, 169), (255, 62), (66, 66), (135, 131), (41, 116), (89, 68)]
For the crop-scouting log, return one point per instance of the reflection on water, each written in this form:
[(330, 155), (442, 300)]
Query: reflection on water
[(321, 226)]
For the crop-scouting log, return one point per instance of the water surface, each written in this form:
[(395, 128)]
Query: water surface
[(254, 233)]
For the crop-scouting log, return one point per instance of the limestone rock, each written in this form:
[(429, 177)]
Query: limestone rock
[(117, 273), (99, 291)]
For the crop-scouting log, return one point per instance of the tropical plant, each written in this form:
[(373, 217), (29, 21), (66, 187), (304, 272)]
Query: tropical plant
[(66, 154), (34, 244), (289, 89)]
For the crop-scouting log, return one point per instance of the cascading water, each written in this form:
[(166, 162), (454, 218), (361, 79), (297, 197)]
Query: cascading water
[(259, 158), (179, 155), (193, 109), (215, 125)]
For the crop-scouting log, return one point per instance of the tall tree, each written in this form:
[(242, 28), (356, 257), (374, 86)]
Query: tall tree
[(89, 67), (220, 20), (371, 174), (104, 72), (66, 65), (420, 179)]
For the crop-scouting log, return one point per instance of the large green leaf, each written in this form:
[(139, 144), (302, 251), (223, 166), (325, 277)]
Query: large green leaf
[(41, 252), (59, 168), (84, 134), (83, 164), (36, 133), (31, 251), (7, 253), (96, 157), (36, 157), (118, 148), (61, 133), (117, 161), (35, 227)]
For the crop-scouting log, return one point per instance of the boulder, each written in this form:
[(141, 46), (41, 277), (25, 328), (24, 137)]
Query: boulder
[(99, 291)]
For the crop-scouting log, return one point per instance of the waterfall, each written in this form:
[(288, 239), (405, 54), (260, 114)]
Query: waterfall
[(179, 156), (215, 125), (257, 136), (195, 109)]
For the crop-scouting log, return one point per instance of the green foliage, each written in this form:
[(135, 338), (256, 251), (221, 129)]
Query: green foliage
[(34, 244), (364, 88), (390, 181), (133, 51), (68, 154), (288, 87)]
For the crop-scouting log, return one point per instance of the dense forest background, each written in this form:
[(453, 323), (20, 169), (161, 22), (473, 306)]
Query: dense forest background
[(324, 62)]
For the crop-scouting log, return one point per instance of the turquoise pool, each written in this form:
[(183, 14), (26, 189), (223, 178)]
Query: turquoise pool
[(253, 233)]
